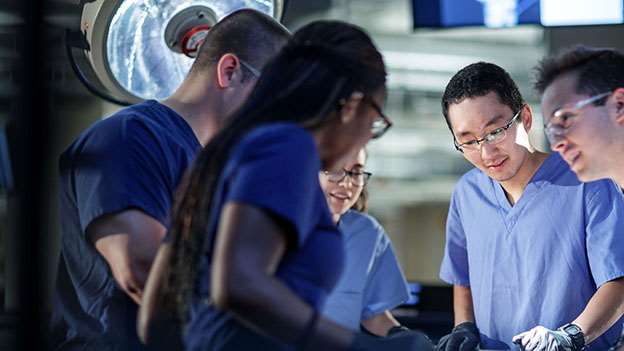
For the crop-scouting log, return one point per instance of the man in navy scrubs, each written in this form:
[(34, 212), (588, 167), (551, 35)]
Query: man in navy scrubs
[(119, 177)]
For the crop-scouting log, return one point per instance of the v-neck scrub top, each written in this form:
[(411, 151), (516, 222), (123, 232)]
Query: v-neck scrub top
[(540, 261)]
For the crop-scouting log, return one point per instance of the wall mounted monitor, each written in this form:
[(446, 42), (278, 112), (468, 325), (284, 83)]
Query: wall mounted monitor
[(508, 13)]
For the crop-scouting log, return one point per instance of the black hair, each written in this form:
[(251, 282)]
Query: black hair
[(598, 70), (251, 35), (324, 63), (480, 79)]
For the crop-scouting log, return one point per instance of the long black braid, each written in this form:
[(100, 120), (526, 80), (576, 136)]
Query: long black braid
[(325, 62)]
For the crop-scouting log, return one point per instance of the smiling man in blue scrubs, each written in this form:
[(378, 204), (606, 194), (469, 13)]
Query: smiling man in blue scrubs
[(528, 246)]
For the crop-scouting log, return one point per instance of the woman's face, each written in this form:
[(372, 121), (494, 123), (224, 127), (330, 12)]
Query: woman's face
[(344, 139), (342, 194)]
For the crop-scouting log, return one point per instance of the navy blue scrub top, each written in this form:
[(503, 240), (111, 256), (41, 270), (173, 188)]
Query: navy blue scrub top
[(275, 168), (133, 159)]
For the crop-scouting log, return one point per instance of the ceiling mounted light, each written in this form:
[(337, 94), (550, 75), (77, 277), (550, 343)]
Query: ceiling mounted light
[(133, 50)]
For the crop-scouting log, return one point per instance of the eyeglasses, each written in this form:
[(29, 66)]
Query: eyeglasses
[(254, 71), (493, 137), (563, 119), (382, 123), (358, 178)]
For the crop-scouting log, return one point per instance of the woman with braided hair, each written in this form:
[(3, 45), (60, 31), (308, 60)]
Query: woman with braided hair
[(253, 248)]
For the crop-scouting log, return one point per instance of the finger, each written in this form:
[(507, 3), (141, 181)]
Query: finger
[(468, 345), (518, 338), (442, 344), (454, 343), (535, 342)]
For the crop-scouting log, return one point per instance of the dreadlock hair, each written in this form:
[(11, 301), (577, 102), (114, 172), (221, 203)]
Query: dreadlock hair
[(324, 62)]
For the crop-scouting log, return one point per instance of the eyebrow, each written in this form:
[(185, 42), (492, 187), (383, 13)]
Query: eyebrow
[(489, 123), (357, 165)]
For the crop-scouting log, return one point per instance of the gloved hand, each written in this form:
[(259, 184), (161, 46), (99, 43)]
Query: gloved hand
[(541, 338), (464, 337), (405, 341)]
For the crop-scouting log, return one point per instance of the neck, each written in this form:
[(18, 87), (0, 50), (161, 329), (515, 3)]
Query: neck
[(199, 105), (618, 169), (336, 218), (515, 186)]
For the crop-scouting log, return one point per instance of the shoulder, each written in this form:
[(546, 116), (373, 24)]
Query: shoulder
[(363, 224), (602, 191), (287, 141), (279, 135), (472, 181)]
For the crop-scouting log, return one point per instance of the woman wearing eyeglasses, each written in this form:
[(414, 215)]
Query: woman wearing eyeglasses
[(372, 282)]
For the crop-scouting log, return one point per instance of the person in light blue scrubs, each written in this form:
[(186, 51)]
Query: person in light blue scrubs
[(535, 255), (372, 282)]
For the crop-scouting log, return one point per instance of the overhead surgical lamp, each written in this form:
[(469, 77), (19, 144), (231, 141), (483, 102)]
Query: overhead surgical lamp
[(132, 50)]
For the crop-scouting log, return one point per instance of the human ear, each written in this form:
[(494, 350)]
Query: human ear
[(527, 117), (618, 100), (228, 68)]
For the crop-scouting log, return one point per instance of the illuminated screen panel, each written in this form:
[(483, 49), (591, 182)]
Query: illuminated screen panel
[(507, 13)]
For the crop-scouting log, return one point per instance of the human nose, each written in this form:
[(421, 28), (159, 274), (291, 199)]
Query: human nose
[(345, 179), (486, 148), (555, 138)]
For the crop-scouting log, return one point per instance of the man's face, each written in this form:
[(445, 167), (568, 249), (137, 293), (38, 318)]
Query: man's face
[(584, 142), (474, 118)]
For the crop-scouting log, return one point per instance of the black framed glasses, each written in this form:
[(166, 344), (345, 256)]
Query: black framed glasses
[(494, 137), (382, 123), (358, 178)]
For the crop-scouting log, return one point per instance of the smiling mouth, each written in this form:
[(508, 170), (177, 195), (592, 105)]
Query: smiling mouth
[(496, 165), (573, 158), (340, 197)]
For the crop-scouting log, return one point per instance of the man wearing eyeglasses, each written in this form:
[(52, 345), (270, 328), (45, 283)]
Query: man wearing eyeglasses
[(582, 98), (582, 93), (118, 180), (531, 251)]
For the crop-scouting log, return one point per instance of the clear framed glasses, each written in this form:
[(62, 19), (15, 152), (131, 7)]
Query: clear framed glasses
[(358, 178), (494, 137), (254, 71), (381, 124), (563, 118)]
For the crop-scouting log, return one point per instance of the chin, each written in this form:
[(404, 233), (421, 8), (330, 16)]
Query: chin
[(586, 175)]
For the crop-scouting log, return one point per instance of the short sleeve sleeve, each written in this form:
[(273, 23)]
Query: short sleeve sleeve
[(118, 166), (386, 287), (605, 229), (454, 269), (278, 172)]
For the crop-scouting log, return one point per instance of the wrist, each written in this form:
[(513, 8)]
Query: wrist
[(467, 326), (397, 329), (576, 335)]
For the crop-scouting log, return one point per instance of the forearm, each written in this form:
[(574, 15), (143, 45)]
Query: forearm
[(380, 323), (270, 307), (152, 307), (462, 304), (603, 310)]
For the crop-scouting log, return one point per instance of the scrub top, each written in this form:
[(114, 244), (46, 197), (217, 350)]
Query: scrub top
[(372, 281), (275, 168), (133, 159), (540, 261)]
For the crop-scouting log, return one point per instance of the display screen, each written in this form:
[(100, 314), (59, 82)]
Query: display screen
[(507, 13)]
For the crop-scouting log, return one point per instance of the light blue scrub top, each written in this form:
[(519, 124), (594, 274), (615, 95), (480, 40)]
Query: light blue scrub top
[(372, 280), (540, 261)]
